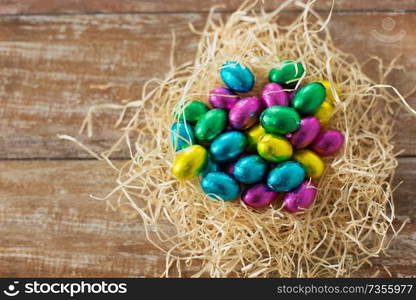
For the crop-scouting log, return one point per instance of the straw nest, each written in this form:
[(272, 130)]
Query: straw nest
[(350, 220)]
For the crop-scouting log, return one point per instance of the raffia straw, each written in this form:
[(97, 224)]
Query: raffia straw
[(352, 218)]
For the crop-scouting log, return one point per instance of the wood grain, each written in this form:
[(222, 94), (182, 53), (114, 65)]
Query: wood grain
[(53, 56), (50, 67), (122, 6), (49, 226)]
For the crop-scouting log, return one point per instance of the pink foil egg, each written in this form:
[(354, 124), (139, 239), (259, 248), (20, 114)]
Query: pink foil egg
[(273, 94), (300, 198), (245, 113), (258, 196), (328, 142), (306, 134), (222, 98)]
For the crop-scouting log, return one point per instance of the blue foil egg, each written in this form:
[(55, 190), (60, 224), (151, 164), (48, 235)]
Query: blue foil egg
[(220, 185), (182, 135), (250, 169), (211, 166), (228, 146), (236, 77), (286, 176)]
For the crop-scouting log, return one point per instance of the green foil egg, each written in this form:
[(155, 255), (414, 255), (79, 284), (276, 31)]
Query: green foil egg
[(192, 111), (210, 125), (308, 99), (288, 72), (280, 119)]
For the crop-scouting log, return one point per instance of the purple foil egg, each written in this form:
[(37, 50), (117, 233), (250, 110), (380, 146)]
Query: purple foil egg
[(258, 196), (245, 113), (300, 198), (328, 142), (306, 134), (222, 98), (273, 94)]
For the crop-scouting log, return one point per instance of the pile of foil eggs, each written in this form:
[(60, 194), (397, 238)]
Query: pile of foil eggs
[(258, 148)]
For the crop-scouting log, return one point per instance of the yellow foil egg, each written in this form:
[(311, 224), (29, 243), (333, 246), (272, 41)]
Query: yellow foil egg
[(255, 134), (274, 148), (189, 162), (313, 164), (324, 112), (329, 94)]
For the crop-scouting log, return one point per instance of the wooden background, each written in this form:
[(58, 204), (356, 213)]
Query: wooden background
[(52, 55)]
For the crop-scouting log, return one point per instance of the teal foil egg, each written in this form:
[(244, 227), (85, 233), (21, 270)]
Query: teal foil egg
[(286, 176), (182, 134), (237, 77), (211, 166), (250, 169), (220, 185), (228, 146)]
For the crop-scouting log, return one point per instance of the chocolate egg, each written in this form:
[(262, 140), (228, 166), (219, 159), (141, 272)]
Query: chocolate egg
[(222, 98), (191, 111), (307, 132), (182, 135), (313, 164), (309, 98), (228, 168), (280, 119), (286, 176), (328, 142), (211, 125), (273, 94), (288, 72), (255, 134), (300, 198), (329, 94), (219, 185), (228, 146), (245, 113), (250, 169), (237, 77), (189, 162), (258, 196), (324, 112), (274, 148), (210, 166)]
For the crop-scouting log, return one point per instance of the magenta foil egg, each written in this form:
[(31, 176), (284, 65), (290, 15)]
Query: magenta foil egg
[(273, 94), (222, 98), (245, 113), (258, 196), (291, 94), (300, 198), (306, 134), (328, 142), (229, 168)]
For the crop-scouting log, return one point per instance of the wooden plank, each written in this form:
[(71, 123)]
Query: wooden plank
[(49, 226), (75, 6), (50, 67)]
